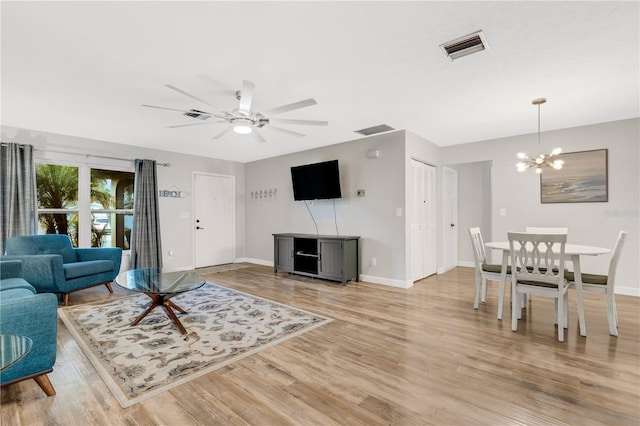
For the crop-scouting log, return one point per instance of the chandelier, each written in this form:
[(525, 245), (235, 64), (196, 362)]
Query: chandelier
[(542, 160)]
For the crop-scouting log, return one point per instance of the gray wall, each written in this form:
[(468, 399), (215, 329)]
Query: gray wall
[(385, 236), (372, 217), (594, 224), (176, 214)]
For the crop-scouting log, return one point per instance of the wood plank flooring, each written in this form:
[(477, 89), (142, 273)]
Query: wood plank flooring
[(415, 356)]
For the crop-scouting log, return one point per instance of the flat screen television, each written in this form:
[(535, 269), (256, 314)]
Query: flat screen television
[(318, 181)]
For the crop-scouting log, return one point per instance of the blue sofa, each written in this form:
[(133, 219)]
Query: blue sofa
[(52, 265), (25, 313)]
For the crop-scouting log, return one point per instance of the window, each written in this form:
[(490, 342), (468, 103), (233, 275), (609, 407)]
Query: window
[(93, 206), (57, 188), (111, 208)]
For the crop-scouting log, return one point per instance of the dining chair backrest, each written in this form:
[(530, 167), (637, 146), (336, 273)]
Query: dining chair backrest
[(537, 257), (479, 253), (615, 258), (544, 230)]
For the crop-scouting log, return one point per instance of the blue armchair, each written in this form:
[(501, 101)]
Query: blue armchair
[(25, 313), (52, 265)]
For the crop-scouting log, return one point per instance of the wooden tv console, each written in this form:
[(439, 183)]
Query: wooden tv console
[(329, 257)]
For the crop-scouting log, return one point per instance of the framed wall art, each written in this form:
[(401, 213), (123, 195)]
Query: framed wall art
[(582, 179)]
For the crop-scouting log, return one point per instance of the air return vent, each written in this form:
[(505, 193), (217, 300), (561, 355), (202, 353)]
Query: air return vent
[(381, 128), (463, 46), (200, 115)]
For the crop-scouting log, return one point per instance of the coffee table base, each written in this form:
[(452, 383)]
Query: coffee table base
[(168, 305)]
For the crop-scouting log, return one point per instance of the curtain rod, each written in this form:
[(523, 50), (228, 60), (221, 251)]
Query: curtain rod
[(96, 156)]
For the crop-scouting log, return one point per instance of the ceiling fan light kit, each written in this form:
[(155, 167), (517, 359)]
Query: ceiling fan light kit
[(243, 120), (541, 160), (242, 129)]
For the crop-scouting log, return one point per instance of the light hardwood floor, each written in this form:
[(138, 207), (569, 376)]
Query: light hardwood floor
[(391, 356)]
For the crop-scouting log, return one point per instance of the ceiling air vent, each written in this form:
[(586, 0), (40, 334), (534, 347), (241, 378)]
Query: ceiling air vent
[(200, 115), (463, 46), (381, 128)]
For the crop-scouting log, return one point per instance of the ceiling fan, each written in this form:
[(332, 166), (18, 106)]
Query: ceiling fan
[(242, 119)]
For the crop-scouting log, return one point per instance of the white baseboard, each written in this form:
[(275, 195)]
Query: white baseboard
[(627, 291), (386, 281), (467, 264), (442, 269), (256, 261)]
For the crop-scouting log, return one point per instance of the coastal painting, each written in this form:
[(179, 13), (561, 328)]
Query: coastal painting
[(582, 179)]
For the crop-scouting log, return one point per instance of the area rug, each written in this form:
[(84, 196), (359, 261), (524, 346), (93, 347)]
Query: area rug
[(223, 326)]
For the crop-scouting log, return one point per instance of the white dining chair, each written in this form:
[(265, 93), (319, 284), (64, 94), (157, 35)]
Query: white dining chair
[(604, 283), (544, 230), (485, 271), (537, 265)]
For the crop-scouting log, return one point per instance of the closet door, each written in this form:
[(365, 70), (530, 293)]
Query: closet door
[(423, 220)]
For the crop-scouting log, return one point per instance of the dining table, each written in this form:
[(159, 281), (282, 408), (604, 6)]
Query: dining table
[(573, 252)]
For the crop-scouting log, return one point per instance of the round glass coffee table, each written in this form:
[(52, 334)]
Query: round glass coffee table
[(161, 287), (12, 349)]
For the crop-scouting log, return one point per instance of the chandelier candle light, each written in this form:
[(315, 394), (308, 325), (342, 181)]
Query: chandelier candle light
[(542, 160)]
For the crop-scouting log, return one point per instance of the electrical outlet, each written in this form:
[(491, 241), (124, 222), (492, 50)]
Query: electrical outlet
[(374, 261)]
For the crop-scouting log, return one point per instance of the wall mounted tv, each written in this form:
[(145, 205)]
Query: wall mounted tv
[(318, 181)]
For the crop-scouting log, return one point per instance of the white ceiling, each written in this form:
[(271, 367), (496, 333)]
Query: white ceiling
[(84, 68)]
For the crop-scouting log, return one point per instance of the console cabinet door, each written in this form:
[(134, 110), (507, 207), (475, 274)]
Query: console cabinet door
[(284, 254), (331, 259)]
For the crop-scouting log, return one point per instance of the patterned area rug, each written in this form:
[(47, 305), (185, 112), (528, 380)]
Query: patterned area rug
[(223, 326)]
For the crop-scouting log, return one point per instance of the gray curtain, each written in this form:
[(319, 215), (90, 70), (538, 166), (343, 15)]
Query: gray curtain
[(146, 250), (18, 200)]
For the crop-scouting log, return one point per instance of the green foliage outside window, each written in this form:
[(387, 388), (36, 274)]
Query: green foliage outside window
[(111, 204), (57, 188)]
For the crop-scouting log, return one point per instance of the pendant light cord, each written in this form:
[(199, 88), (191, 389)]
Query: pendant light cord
[(539, 146)]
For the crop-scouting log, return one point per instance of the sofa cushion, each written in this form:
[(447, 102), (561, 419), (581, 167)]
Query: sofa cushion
[(14, 283), (15, 293), (83, 269)]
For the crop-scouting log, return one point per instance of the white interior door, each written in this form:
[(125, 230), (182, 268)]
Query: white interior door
[(423, 220), (450, 218), (214, 219)]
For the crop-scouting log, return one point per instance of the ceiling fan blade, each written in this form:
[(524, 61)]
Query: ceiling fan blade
[(289, 107), (246, 95), (222, 133), (258, 136), (287, 132), (189, 95), (176, 109), (192, 124), (295, 121)]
